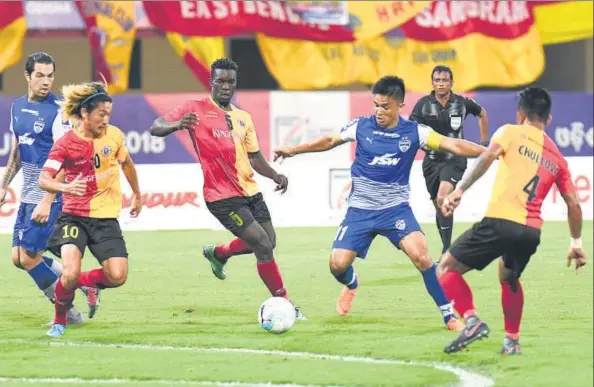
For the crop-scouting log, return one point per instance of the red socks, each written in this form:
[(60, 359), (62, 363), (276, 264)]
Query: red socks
[(457, 291), (63, 302), (95, 279), (271, 276), (64, 297), (235, 247), (512, 304)]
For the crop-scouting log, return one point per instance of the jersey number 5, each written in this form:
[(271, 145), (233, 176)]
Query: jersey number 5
[(531, 187)]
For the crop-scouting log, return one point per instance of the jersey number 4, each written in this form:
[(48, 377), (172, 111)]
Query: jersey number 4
[(531, 187)]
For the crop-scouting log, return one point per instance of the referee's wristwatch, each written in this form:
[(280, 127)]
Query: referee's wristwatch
[(485, 143)]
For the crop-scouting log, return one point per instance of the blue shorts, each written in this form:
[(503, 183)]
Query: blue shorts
[(359, 227), (30, 235)]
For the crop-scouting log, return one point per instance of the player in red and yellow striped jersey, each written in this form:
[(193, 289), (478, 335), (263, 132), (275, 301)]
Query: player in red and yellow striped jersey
[(90, 157), (530, 164), (225, 140)]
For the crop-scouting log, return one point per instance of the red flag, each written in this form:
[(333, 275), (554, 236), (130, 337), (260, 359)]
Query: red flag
[(13, 28)]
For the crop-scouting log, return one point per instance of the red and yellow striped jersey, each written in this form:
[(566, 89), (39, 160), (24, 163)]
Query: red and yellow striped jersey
[(98, 161), (531, 163), (223, 139)]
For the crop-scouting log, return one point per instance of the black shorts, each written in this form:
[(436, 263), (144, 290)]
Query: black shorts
[(435, 172), (237, 213), (103, 236), (492, 238)]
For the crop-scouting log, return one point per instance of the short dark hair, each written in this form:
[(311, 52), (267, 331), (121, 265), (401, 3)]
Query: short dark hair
[(536, 103), (223, 64), (390, 86), (38, 57), (442, 69)]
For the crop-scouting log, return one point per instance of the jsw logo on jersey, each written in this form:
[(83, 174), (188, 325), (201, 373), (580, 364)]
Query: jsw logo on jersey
[(387, 159), (26, 140)]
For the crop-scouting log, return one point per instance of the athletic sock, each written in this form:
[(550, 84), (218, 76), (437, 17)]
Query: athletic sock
[(445, 226), (512, 304), (458, 292), (45, 279), (95, 279), (347, 278), (235, 247), (271, 276), (437, 293)]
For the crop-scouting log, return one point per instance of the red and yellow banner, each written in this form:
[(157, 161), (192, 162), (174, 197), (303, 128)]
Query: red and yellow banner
[(13, 28), (485, 43), (228, 18), (111, 28), (372, 19), (198, 53), (369, 19), (563, 21)]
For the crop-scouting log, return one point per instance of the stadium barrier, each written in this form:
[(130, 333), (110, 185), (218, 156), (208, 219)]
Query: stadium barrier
[(171, 180), (316, 197)]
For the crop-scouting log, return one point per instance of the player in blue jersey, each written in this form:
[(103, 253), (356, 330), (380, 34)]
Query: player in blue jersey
[(36, 123), (378, 202)]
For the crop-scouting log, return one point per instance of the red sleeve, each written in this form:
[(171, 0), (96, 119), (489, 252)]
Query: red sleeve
[(564, 181), (181, 110), (55, 159)]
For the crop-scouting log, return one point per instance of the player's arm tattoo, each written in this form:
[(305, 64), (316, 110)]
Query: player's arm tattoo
[(261, 165), (13, 166)]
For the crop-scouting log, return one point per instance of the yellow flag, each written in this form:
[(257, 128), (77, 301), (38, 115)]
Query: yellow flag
[(563, 21), (13, 28), (111, 28), (495, 45), (198, 53), (371, 19)]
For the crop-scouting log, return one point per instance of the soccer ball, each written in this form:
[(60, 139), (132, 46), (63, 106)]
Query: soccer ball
[(276, 315)]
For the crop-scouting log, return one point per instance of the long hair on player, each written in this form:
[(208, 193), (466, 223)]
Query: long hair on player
[(88, 95)]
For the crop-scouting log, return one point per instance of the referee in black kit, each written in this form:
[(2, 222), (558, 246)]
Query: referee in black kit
[(445, 112)]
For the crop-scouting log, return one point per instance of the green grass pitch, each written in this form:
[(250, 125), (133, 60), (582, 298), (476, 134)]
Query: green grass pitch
[(172, 299)]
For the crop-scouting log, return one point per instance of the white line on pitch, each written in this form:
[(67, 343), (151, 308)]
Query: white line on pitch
[(467, 378), (148, 381)]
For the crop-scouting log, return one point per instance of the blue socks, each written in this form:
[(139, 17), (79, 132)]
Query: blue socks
[(54, 264), (43, 275), (46, 275), (347, 278), (436, 291)]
